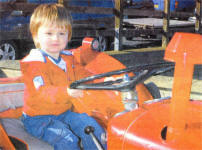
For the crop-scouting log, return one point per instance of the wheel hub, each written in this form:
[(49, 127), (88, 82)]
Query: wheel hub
[(7, 52)]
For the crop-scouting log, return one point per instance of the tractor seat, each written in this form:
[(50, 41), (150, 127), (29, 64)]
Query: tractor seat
[(15, 128), (11, 98)]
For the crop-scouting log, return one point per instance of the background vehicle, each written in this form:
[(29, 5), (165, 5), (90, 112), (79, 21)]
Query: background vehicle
[(15, 39), (176, 5)]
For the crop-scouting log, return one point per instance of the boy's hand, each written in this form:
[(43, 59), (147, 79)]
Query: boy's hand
[(75, 93)]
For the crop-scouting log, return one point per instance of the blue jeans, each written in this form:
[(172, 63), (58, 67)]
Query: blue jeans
[(65, 131)]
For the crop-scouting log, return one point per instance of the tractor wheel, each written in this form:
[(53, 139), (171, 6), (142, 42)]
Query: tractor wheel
[(154, 90)]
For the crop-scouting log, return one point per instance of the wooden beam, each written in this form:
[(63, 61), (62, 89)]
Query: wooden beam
[(118, 24), (142, 13), (90, 10), (61, 1), (166, 22), (198, 17), (25, 7)]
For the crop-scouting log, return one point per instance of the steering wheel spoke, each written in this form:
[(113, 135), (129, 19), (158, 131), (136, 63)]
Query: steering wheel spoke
[(144, 72)]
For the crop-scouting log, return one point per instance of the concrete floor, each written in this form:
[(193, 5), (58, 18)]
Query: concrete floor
[(165, 85)]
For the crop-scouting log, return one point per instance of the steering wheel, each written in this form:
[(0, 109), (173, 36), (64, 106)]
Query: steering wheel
[(144, 72)]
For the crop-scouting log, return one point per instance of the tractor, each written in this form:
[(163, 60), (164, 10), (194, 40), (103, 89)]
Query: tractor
[(134, 116)]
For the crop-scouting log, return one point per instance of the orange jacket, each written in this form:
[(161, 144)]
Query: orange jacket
[(52, 97)]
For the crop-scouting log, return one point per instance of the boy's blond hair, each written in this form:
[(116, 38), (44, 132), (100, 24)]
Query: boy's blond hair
[(50, 13)]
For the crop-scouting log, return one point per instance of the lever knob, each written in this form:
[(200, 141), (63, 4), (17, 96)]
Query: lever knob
[(89, 129)]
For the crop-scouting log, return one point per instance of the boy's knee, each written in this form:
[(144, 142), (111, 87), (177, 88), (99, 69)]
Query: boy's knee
[(90, 121), (64, 140), (67, 142), (55, 135)]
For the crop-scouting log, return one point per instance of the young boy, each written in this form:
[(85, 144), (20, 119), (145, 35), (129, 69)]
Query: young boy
[(48, 70)]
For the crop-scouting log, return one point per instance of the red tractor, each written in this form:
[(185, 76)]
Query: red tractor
[(134, 117), (162, 124)]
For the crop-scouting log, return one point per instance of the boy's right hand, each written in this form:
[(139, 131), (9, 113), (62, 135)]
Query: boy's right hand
[(75, 93)]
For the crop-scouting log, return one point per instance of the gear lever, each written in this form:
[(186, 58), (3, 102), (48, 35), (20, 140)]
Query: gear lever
[(90, 130)]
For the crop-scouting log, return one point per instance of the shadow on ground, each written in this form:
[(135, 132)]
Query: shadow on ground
[(2, 74)]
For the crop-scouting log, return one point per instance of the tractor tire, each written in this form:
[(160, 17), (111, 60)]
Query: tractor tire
[(153, 89)]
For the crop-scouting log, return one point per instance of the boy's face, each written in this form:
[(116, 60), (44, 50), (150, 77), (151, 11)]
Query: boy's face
[(52, 39)]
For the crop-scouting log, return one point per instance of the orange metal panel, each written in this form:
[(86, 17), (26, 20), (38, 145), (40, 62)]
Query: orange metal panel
[(169, 124), (185, 49), (145, 128), (5, 142), (11, 113)]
